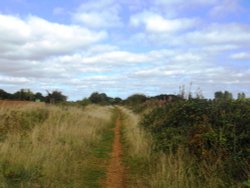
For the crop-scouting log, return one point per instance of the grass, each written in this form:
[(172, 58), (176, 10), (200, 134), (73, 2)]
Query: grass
[(47, 146), (56, 147), (137, 146)]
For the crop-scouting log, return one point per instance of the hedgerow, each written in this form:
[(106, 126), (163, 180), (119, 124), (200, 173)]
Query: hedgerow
[(209, 130)]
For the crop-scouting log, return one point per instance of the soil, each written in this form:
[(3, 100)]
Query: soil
[(115, 171)]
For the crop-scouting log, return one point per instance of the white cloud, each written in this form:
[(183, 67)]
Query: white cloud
[(35, 38), (229, 34), (213, 37), (116, 58), (178, 7), (150, 72), (97, 19), (13, 30), (213, 8), (218, 48), (13, 80), (199, 71), (241, 56), (100, 14), (155, 23), (30, 50)]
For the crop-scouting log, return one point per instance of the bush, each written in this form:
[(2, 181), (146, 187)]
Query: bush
[(209, 130)]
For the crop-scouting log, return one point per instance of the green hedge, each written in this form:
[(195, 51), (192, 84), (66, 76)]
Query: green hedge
[(208, 130)]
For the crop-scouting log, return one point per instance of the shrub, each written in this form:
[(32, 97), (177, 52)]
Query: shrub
[(209, 130)]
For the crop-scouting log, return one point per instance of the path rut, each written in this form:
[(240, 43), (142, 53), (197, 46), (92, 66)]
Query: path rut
[(115, 171)]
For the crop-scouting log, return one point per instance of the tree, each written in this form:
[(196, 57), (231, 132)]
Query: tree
[(241, 96), (24, 94), (219, 95), (199, 94), (136, 99), (228, 95), (39, 96), (99, 98), (55, 97), (4, 95), (182, 92), (117, 100)]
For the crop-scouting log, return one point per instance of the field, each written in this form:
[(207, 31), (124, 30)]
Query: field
[(54, 147), (11, 103), (112, 146)]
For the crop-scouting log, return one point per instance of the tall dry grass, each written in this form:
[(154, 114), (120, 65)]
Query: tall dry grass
[(148, 168), (138, 141), (138, 150), (53, 149), (180, 170)]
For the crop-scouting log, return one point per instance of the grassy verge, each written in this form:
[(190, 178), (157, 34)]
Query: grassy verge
[(137, 150), (60, 148)]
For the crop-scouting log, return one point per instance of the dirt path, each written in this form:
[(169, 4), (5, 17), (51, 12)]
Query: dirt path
[(115, 171)]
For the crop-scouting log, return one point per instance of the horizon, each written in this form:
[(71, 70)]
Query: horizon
[(182, 91), (125, 47)]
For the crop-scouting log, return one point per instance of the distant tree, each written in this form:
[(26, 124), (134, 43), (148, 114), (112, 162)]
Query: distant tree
[(241, 96), (39, 96), (219, 95), (136, 99), (199, 94), (167, 97), (117, 100), (228, 95), (4, 95), (99, 98), (83, 102), (182, 91), (55, 97), (190, 95), (24, 94)]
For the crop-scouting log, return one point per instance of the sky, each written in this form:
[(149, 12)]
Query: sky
[(122, 47)]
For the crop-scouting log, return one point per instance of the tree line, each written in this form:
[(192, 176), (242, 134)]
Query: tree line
[(103, 99), (28, 95)]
